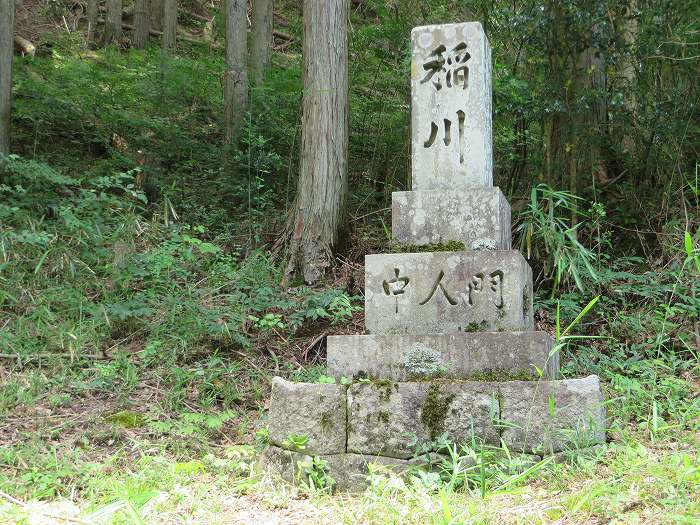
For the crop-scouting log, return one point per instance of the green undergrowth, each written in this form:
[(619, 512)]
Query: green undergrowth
[(98, 296)]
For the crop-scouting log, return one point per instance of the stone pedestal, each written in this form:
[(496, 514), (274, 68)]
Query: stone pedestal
[(451, 350), (477, 355), (479, 218)]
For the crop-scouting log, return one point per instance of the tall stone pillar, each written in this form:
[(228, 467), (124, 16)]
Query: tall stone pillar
[(450, 349)]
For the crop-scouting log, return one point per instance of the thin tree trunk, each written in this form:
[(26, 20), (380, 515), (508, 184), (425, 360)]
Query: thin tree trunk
[(157, 15), (555, 125), (113, 23), (92, 21), (261, 39), (235, 77), (169, 24), (591, 135), (7, 23), (628, 72), (323, 179), (142, 23)]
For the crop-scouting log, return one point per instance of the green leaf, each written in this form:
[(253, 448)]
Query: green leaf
[(688, 244), (689, 249), (581, 314)]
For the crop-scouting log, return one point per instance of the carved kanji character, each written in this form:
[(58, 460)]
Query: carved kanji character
[(496, 279), (456, 71), (439, 284)]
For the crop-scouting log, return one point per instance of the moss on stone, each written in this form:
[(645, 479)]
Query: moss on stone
[(434, 410), (502, 375), (384, 388), (449, 246), (477, 327), (326, 421), (526, 302)]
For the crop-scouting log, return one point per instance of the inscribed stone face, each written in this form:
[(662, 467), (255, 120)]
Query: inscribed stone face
[(448, 292), (451, 107)]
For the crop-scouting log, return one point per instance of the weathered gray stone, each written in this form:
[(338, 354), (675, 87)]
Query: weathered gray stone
[(396, 419), (393, 419), (478, 355), (451, 107), (551, 416), (348, 471), (477, 217), (448, 292), (316, 411)]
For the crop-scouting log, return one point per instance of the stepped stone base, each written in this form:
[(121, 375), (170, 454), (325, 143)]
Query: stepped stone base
[(448, 292), (348, 471), (477, 217), (478, 355), (393, 419)]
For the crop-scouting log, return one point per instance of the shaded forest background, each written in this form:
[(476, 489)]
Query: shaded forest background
[(138, 266)]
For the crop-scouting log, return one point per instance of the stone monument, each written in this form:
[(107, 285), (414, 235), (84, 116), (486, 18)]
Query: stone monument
[(450, 349)]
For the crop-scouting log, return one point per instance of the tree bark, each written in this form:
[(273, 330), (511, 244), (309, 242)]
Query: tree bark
[(113, 24), (553, 138), (323, 179), (157, 15), (235, 77), (92, 21), (7, 46), (261, 39), (591, 136), (628, 71), (142, 23), (169, 24)]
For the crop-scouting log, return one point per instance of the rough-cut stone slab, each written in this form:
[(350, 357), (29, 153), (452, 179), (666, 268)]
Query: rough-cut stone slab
[(448, 292), (451, 107), (453, 356), (477, 217), (551, 416), (317, 411), (394, 419), (349, 471)]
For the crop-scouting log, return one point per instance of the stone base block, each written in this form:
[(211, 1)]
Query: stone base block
[(493, 356), (448, 292), (552, 416), (317, 412), (395, 419), (477, 217), (348, 471)]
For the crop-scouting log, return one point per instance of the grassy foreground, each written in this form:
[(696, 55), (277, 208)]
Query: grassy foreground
[(633, 480)]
